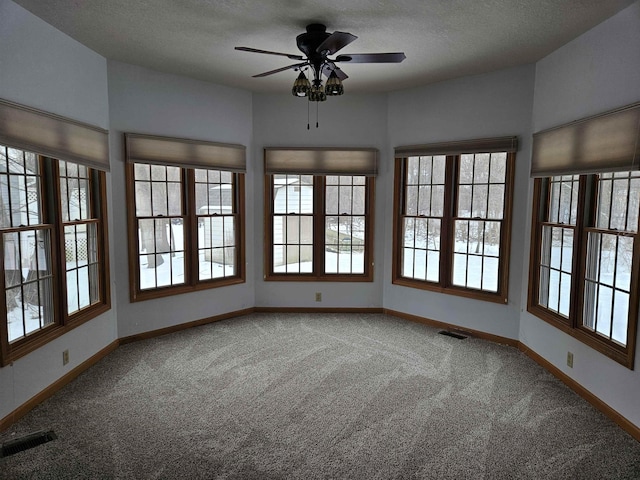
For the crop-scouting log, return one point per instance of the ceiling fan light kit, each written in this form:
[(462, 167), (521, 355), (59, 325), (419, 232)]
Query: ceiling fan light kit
[(317, 45)]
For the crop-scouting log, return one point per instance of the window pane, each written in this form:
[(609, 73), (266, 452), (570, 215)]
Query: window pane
[(293, 193), (159, 199), (498, 167), (213, 195), (160, 196), (296, 232), (81, 266), (438, 173), (216, 246), (496, 202), (563, 202), (158, 173), (464, 200), (620, 317), (424, 194), (161, 253), (408, 232), (424, 200), (421, 258), (174, 192), (202, 200), (411, 200), (359, 196), (490, 274), (481, 168), (344, 246), (624, 260), (20, 182), (28, 265), (608, 285), (481, 186), (332, 200), (216, 176), (413, 170), (618, 200), (466, 170), (74, 189), (556, 256), (475, 242), (479, 201), (437, 200)]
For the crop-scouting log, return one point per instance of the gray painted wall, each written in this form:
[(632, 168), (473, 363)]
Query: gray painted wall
[(347, 121), (597, 71), (45, 69), (491, 105), (145, 101)]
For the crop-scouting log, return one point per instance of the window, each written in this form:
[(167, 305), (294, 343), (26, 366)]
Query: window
[(585, 253), (54, 248), (318, 216), (186, 222), (584, 270), (452, 217), (46, 231)]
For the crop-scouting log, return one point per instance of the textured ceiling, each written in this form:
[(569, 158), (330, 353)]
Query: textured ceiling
[(442, 39)]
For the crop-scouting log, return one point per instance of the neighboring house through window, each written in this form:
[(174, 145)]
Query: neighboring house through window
[(319, 214)]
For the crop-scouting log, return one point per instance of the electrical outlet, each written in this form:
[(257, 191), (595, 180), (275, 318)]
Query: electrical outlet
[(318, 296), (570, 359), (65, 357)]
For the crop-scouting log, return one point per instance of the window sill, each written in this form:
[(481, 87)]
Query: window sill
[(140, 296), (302, 277), (457, 291)]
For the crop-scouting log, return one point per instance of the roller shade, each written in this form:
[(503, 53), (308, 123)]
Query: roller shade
[(483, 145), (607, 142), (53, 136), (321, 161), (185, 153)]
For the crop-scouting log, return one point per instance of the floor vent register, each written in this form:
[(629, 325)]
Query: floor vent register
[(21, 444)]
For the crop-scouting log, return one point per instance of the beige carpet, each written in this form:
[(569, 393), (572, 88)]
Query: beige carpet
[(320, 396)]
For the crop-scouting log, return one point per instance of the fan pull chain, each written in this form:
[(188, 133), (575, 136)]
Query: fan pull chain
[(308, 108), (317, 107)]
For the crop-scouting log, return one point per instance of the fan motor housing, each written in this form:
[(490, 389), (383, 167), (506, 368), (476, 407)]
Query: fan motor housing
[(309, 41)]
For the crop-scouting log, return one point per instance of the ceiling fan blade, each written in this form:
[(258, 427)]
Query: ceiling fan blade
[(371, 58), (335, 42), (328, 68), (277, 70), (255, 50)]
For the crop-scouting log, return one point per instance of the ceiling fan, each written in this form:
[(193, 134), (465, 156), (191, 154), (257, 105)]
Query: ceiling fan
[(317, 45)]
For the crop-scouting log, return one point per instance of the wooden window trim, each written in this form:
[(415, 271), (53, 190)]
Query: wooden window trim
[(63, 323), (192, 283), (445, 284), (318, 240), (572, 326)]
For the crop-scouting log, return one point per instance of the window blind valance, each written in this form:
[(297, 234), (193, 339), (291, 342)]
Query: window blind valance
[(185, 153), (321, 161), (53, 136), (607, 142), (482, 145)]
